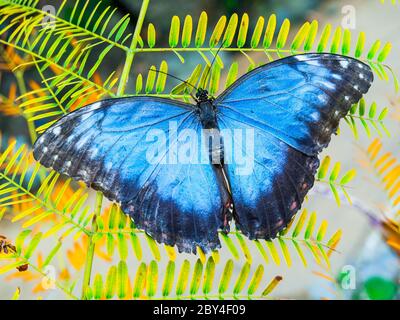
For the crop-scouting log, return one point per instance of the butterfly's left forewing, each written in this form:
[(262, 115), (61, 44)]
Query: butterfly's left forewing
[(127, 149), (293, 105)]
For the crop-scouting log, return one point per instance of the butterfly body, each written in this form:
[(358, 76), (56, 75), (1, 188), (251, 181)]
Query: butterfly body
[(261, 138)]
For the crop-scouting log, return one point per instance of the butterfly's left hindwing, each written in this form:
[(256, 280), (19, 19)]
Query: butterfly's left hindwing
[(293, 105), (107, 146)]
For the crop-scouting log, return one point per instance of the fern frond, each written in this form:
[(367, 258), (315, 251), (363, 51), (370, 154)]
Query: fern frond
[(333, 180), (368, 117), (387, 167), (117, 229), (262, 39), (22, 185), (247, 284), (20, 257)]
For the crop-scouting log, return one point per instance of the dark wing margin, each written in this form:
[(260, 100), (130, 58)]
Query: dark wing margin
[(105, 145), (294, 105)]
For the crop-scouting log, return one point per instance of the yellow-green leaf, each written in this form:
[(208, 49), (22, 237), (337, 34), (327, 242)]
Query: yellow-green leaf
[(32, 245), (162, 77), (196, 277), (122, 280), (151, 35), (324, 38), (232, 74), (309, 42), (348, 176), (98, 287), (168, 279), (187, 31), (300, 224), (255, 280), (310, 226), (139, 83), (269, 31), (225, 277), (374, 49), (209, 275), (201, 29), (111, 282), (241, 280), (152, 279), (183, 278), (258, 29), (154, 248), (323, 169), (151, 79), (283, 34), (174, 32), (346, 42), (243, 29), (337, 37), (218, 30), (360, 45), (385, 52), (300, 36), (335, 172), (140, 280)]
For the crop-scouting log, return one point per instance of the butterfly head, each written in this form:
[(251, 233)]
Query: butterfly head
[(202, 95)]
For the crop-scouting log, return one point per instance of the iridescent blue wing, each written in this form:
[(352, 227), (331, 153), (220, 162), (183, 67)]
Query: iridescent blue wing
[(299, 99), (293, 105), (112, 146)]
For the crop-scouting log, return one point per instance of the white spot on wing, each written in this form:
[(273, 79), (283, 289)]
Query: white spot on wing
[(344, 64), (57, 131), (95, 106), (94, 152), (299, 57), (315, 116), (330, 85), (109, 165)]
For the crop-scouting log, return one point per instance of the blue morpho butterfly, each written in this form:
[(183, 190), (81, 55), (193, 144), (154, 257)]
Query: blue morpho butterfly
[(292, 106)]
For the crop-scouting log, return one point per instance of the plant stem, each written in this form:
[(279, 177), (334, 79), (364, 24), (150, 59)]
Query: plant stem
[(131, 53), (91, 246)]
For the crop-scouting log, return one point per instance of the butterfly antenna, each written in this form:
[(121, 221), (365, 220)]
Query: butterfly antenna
[(172, 76), (214, 59)]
